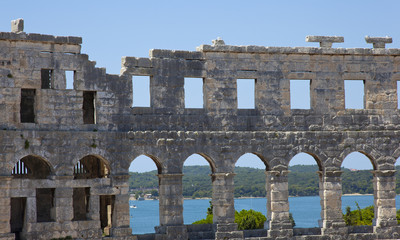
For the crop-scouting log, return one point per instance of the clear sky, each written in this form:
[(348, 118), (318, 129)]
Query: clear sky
[(112, 29)]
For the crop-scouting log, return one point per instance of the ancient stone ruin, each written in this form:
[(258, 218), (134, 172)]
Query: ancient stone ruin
[(65, 153)]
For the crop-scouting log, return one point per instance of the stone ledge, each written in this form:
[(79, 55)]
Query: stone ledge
[(35, 37), (298, 50)]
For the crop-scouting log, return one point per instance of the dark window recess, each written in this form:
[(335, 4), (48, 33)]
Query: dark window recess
[(44, 204), (106, 212), (17, 216), (81, 198), (89, 111), (27, 108), (47, 78)]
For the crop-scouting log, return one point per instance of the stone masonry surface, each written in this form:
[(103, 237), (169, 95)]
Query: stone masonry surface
[(65, 153)]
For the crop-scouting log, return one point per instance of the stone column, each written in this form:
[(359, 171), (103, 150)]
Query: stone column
[(384, 201), (120, 215), (279, 225), (223, 206), (331, 208), (5, 205), (171, 207)]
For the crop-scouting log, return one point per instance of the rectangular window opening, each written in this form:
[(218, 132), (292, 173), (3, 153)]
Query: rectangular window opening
[(17, 219), (80, 201), (45, 204), (70, 78), (246, 93), (47, 78), (194, 93), (354, 97), (27, 107), (89, 108), (300, 97), (141, 91), (106, 212)]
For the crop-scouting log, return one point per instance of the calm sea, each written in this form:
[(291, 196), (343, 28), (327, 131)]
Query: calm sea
[(305, 210)]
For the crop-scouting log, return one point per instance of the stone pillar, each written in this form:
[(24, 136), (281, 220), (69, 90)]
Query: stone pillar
[(331, 208), (224, 207), (268, 195), (63, 202), (279, 225), (5, 205), (171, 207), (120, 215), (30, 215), (384, 201), (94, 208)]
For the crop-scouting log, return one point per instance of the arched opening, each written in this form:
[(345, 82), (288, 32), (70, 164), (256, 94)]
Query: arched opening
[(250, 189), (358, 190), (197, 187), (91, 167), (144, 192), (304, 191), (31, 167)]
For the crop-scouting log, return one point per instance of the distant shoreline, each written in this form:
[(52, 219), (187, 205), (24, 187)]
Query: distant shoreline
[(357, 194), (207, 198)]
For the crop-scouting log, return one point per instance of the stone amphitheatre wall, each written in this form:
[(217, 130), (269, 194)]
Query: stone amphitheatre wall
[(65, 153)]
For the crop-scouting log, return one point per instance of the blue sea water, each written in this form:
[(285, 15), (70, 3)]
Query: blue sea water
[(306, 210)]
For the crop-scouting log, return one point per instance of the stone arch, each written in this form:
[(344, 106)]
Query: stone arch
[(366, 150), (393, 159), (210, 161), (32, 167), (155, 159), (259, 155), (318, 155), (92, 166), (314, 187)]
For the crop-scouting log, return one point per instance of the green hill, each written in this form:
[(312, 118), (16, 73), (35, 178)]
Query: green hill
[(303, 181)]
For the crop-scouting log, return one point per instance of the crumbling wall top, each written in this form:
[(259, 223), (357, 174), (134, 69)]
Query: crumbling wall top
[(17, 34), (34, 37), (298, 50)]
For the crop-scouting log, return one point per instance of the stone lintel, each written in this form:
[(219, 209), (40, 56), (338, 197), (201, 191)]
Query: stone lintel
[(378, 42), (325, 41)]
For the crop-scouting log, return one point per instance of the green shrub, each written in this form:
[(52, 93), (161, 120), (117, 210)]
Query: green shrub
[(207, 220), (246, 219), (359, 217), (249, 219)]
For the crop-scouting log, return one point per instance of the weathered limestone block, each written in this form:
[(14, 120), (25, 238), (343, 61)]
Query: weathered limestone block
[(17, 26), (378, 42), (325, 41), (171, 199)]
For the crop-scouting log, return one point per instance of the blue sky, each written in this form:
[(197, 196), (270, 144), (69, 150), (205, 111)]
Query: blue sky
[(112, 29)]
